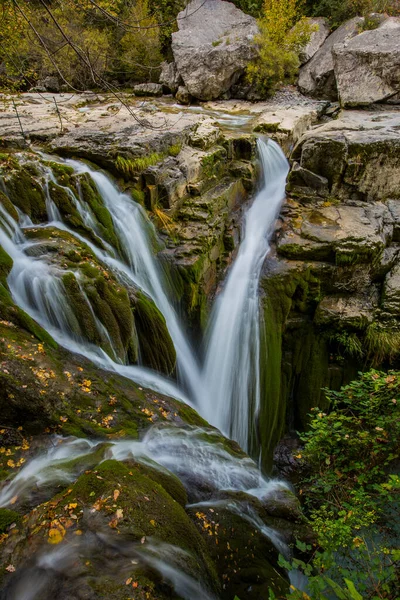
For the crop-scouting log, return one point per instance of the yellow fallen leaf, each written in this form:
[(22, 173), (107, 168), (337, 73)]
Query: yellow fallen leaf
[(128, 581), (71, 506), (116, 494), (152, 522), (56, 533), (78, 532), (11, 463), (13, 500)]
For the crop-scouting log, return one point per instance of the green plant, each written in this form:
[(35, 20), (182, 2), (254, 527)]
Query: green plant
[(175, 149), (349, 343), (283, 33), (352, 492), (134, 166), (382, 344)]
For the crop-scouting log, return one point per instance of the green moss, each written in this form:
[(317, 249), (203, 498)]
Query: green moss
[(6, 264), (7, 517), (85, 321), (175, 149), (90, 194), (156, 347), (5, 201), (27, 194)]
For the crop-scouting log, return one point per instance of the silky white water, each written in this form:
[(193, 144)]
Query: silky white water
[(226, 391), (231, 393)]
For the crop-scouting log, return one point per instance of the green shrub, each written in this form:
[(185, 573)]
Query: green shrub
[(352, 491), (283, 33)]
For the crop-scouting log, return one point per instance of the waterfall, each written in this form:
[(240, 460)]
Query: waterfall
[(226, 391), (231, 393)]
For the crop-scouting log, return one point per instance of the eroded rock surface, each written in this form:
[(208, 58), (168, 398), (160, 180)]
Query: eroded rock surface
[(367, 67), (317, 77), (214, 44)]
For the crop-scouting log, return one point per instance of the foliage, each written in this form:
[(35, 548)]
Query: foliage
[(338, 11), (133, 166), (352, 493), (139, 49), (250, 7), (382, 344), (78, 42), (283, 33)]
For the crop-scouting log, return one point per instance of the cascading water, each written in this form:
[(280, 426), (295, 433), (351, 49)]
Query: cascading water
[(231, 393), (226, 391)]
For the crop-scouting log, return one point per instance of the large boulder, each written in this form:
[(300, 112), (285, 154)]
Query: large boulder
[(317, 77), (214, 44), (318, 36), (367, 67)]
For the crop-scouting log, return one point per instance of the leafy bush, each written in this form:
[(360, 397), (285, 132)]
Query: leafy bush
[(352, 491), (283, 33), (338, 11)]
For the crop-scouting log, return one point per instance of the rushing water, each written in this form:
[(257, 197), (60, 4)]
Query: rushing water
[(231, 395), (225, 390)]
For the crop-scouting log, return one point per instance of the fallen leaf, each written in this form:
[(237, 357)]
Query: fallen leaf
[(128, 581), (152, 522), (116, 494), (10, 568), (135, 584), (13, 500), (56, 533)]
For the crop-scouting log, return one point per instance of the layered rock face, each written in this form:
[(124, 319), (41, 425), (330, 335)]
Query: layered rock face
[(317, 77), (367, 67), (214, 44), (359, 68), (332, 285)]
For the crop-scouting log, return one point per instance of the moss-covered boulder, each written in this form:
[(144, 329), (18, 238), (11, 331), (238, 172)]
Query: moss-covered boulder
[(246, 558), (138, 526)]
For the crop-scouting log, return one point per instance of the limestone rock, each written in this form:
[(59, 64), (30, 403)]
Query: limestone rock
[(49, 84), (170, 77), (317, 77), (367, 67), (148, 89), (346, 311), (317, 38), (391, 292), (205, 135), (182, 95), (358, 153), (213, 46)]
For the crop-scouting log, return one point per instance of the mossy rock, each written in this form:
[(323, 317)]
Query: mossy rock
[(8, 205), (7, 518), (156, 347), (90, 194), (247, 561), (25, 192)]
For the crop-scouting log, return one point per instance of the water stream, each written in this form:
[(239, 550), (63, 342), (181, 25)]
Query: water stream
[(225, 390)]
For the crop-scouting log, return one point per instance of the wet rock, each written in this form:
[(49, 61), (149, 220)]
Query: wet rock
[(206, 135), (148, 89), (284, 504), (212, 47), (182, 95), (367, 67), (318, 36), (170, 77), (317, 77)]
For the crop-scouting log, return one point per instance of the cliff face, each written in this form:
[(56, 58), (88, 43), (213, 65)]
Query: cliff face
[(332, 285)]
